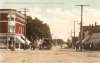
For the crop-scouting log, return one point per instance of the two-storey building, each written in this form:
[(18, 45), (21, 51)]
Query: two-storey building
[(12, 24)]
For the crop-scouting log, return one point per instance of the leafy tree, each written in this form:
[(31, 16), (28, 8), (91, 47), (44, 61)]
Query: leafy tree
[(36, 29), (28, 27), (60, 41)]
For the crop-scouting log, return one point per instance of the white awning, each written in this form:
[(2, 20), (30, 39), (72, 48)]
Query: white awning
[(28, 42), (19, 39), (86, 39)]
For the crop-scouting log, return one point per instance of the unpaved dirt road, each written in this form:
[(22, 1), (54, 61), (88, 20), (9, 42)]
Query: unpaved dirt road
[(56, 55)]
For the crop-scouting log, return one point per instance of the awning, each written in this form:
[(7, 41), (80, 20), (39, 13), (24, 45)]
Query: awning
[(19, 39), (28, 42), (86, 39), (3, 40), (95, 38)]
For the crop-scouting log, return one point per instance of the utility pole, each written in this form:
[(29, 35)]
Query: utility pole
[(81, 30), (73, 43), (71, 33), (25, 22), (25, 10), (74, 27)]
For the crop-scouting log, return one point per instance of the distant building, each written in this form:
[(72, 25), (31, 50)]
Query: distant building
[(74, 40), (12, 24), (91, 37), (88, 30)]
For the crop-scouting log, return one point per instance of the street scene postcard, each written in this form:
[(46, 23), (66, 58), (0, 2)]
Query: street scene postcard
[(49, 31)]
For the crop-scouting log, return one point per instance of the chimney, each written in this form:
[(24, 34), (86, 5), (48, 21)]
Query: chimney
[(92, 25), (95, 23), (19, 11), (89, 24)]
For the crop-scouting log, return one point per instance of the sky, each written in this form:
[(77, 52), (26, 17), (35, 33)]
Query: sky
[(58, 14)]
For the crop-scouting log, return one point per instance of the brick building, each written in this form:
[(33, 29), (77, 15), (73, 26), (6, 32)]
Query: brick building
[(88, 30), (12, 24), (91, 37)]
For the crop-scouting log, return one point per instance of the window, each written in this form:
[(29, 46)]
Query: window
[(12, 18), (12, 28)]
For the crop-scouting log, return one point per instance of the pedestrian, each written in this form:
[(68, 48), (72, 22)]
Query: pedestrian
[(61, 46), (91, 46), (77, 46), (12, 47)]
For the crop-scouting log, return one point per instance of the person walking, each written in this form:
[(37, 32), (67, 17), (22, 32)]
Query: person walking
[(61, 46), (77, 46)]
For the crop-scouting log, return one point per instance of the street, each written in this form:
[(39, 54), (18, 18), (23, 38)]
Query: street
[(56, 55)]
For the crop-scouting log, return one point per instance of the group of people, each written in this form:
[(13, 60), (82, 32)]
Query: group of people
[(77, 46), (36, 44)]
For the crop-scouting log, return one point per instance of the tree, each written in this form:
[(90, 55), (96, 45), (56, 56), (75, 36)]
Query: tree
[(28, 27), (60, 41), (36, 29)]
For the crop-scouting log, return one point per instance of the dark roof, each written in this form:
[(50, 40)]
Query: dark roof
[(7, 9), (95, 29), (95, 38), (10, 10), (85, 28)]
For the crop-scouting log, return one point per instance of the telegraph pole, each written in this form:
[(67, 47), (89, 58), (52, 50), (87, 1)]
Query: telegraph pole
[(74, 27), (81, 30), (71, 32), (73, 43), (25, 10), (25, 22)]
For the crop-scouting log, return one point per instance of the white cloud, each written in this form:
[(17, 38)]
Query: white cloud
[(1, 4), (60, 21), (35, 12), (91, 16)]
